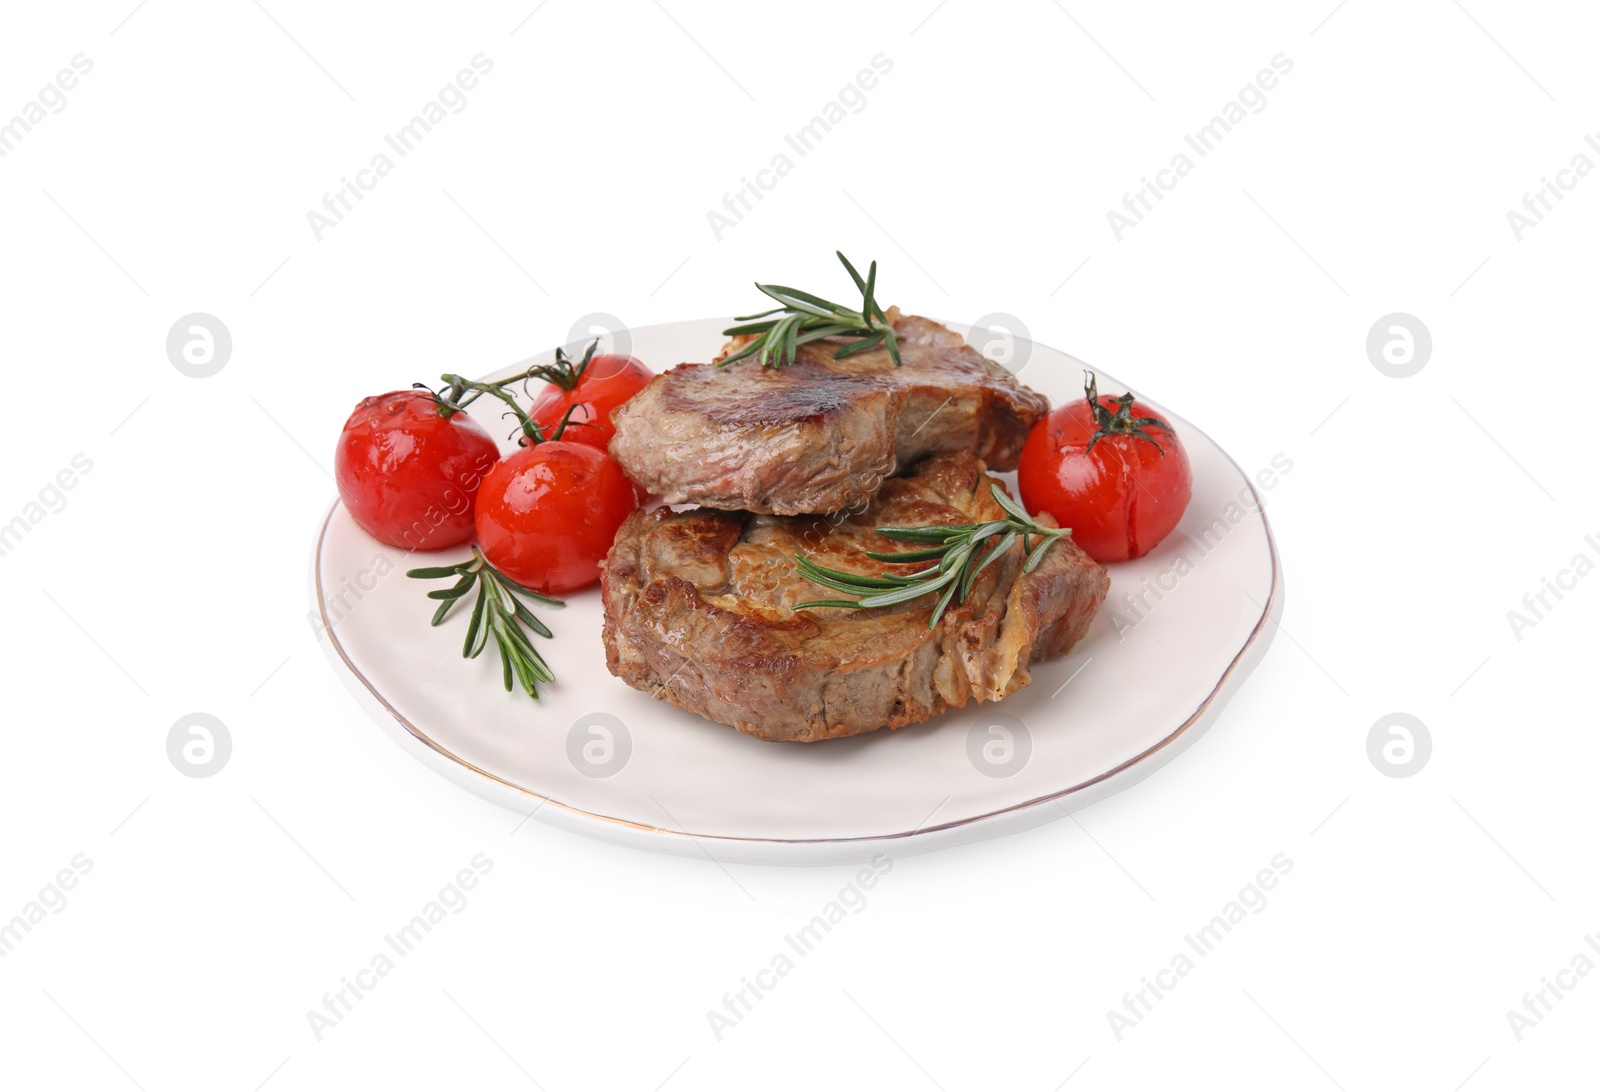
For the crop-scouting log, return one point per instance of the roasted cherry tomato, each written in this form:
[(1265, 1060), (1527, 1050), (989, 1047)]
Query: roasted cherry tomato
[(547, 513), (1110, 469), (595, 384), (408, 473)]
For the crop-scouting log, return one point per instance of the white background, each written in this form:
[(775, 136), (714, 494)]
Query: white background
[(1376, 180)]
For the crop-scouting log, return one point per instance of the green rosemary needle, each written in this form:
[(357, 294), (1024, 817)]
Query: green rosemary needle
[(497, 611), (805, 318), (961, 552)]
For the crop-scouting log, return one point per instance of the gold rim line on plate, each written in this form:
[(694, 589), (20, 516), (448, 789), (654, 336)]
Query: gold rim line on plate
[(1255, 633)]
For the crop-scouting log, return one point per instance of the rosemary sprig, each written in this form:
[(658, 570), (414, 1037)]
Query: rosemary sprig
[(805, 318), (962, 551), (497, 611)]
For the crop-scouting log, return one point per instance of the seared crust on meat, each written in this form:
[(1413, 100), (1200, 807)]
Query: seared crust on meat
[(698, 613), (820, 435)]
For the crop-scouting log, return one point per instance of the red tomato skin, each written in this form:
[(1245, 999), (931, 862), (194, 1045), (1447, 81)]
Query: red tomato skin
[(408, 476), (606, 383), (1122, 498), (547, 514)]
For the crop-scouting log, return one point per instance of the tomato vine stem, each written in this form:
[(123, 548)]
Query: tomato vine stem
[(1121, 422), (460, 392)]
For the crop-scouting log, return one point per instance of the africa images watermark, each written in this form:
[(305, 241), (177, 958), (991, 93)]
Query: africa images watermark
[(1252, 899), (851, 899), (1537, 1004), (51, 99), (1537, 605), (457, 498), (341, 602), (1126, 614), (51, 498), (852, 99), (52, 899), (451, 99), (451, 899), (1252, 99), (1542, 201)]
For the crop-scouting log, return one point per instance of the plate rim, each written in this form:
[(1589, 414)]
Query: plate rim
[(1261, 633)]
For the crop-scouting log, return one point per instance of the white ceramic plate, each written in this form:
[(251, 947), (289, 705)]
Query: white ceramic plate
[(595, 756)]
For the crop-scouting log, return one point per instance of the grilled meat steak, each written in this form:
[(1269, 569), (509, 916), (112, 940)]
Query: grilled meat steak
[(820, 435), (697, 612)]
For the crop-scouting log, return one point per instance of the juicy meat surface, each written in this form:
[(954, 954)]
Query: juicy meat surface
[(698, 613), (820, 435)]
